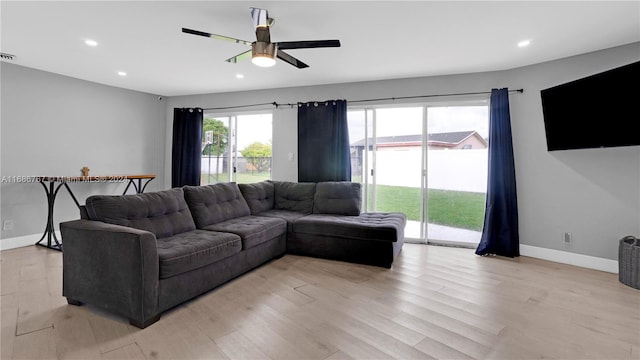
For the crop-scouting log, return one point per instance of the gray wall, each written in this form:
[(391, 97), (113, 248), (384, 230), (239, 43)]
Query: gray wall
[(53, 125), (594, 194)]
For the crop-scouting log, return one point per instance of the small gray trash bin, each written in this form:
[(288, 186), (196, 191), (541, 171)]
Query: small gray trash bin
[(629, 261)]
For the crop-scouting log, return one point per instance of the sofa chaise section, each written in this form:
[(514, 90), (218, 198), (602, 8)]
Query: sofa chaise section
[(338, 230), (369, 238), (324, 220)]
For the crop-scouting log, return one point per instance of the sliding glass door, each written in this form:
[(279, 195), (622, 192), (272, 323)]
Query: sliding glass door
[(457, 150), (428, 162), (387, 156), (396, 164), (252, 155), (216, 137), (236, 148)]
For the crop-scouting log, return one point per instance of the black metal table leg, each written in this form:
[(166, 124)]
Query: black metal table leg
[(127, 188), (139, 188), (49, 231), (145, 184)]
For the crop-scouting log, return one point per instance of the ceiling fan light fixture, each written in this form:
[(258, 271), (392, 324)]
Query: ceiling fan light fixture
[(263, 61), (263, 54)]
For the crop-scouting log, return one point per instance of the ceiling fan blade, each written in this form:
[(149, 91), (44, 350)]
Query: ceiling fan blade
[(291, 60), (215, 36), (308, 44), (239, 57)]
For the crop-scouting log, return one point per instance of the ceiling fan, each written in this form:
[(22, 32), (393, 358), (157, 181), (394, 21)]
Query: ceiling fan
[(263, 52)]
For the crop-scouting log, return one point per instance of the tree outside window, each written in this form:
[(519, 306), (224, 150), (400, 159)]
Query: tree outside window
[(258, 156), (217, 142)]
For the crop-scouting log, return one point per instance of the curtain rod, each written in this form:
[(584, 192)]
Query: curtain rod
[(241, 106), (276, 105), (434, 95)]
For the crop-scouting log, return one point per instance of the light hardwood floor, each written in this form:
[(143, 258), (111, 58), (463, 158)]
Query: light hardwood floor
[(435, 302)]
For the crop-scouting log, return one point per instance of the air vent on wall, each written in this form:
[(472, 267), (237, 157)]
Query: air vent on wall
[(7, 57)]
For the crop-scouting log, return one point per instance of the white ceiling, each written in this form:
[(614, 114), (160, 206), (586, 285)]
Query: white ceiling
[(380, 39)]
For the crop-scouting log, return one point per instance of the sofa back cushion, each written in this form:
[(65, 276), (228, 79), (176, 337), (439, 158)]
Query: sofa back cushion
[(164, 213), (259, 196), (211, 204), (337, 197), (292, 196)]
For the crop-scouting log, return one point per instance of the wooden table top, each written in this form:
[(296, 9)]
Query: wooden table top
[(96, 178)]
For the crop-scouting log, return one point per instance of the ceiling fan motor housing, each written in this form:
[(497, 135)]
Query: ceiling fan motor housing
[(264, 49)]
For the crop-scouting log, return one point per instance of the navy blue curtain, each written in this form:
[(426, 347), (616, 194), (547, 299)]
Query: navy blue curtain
[(323, 142), (500, 232), (187, 146)]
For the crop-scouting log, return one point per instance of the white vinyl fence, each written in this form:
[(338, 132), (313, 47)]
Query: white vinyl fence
[(461, 170)]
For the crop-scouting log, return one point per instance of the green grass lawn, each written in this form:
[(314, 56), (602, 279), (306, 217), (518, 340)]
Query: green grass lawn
[(464, 210), (242, 178), (246, 178)]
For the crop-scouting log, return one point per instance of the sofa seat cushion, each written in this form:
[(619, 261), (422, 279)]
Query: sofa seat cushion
[(289, 216), (164, 213), (253, 230), (366, 226), (191, 250)]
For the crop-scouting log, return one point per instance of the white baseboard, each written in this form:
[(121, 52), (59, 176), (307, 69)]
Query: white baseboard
[(22, 241), (570, 258)]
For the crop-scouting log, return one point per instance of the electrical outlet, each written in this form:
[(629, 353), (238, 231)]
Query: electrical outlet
[(7, 225), (568, 238)]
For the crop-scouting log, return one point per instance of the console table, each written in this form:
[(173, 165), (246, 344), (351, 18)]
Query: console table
[(52, 185)]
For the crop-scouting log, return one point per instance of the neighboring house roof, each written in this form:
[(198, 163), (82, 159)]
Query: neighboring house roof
[(450, 137), (396, 140), (446, 139)]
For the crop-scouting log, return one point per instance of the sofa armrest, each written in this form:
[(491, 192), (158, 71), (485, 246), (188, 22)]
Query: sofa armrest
[(112, 267)]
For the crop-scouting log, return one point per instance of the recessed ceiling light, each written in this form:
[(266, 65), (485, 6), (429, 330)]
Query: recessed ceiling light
[(122, 73), (524, 43), (91, 43), (239, 76)]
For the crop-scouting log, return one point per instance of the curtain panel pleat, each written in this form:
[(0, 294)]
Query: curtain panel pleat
[(187, 146), (323, 142), (500, 231)]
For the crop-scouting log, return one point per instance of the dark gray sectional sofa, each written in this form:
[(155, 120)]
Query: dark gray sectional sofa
[(140, 255)]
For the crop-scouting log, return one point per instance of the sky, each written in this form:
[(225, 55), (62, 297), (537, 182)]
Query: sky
[(408, 121)]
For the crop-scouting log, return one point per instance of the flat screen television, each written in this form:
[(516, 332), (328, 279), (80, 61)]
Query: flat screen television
[(598, 111)]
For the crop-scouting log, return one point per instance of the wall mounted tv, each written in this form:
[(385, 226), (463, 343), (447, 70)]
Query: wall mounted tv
[(598, 111)]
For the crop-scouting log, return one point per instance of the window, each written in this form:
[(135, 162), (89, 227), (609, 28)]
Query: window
[(236, 148), (406, 159)]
